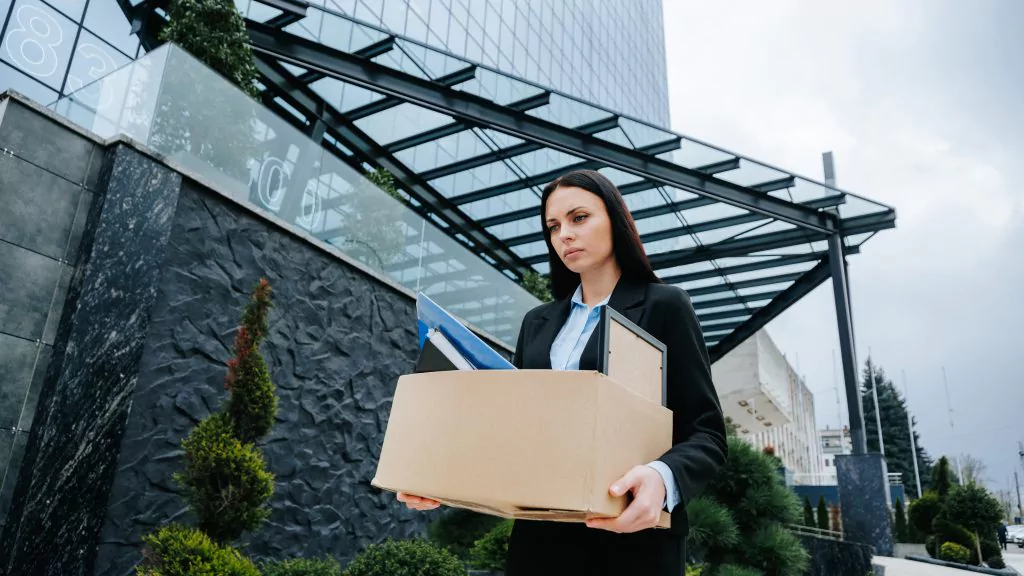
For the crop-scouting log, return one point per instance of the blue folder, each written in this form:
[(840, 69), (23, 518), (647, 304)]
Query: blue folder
[(431, 316)]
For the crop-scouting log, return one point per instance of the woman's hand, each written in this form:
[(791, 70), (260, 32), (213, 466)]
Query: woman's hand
[(418, 502), (648, 489)]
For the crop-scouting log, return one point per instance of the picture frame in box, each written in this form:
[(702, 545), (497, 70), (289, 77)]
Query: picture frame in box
[(633, 357)]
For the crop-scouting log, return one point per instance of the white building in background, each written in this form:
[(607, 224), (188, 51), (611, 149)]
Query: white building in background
[(762, 393), (833, 441)]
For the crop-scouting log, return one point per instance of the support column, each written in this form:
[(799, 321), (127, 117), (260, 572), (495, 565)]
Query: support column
[(846, 345)]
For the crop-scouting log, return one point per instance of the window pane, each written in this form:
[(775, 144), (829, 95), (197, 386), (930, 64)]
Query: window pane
[(93, 59), (11, 78), (106, 20), (39, 42)]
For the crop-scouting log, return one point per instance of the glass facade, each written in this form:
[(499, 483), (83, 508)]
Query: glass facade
[(610, 52)]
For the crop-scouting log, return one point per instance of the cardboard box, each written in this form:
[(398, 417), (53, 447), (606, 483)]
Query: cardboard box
[(531, 444)]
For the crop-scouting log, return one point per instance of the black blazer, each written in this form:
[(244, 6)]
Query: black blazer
[(698, 432)]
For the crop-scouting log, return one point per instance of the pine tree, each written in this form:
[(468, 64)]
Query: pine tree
[(823, 522), (808, 513), (741, 518), (896, 436), (901, 522), (942, 479)]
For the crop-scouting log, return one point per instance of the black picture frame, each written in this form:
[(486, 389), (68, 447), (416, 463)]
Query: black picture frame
[(609, 315)]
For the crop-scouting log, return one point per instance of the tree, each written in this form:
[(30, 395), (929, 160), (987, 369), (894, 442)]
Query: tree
[(972, 507), (972, 468), (942, 478), (214, 32), (742, 516), (923, 512), (538, 285), (808, 513), (822, 514), (225, 480), (196, 118), (901, 522), (896, 436)]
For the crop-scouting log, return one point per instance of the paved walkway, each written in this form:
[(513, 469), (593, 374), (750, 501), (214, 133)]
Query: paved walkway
[(899, 567)]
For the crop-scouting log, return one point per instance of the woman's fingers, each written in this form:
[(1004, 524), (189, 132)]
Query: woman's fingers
[(417, 502)]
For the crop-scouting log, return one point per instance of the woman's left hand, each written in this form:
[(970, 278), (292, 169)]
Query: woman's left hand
[(644, 511)]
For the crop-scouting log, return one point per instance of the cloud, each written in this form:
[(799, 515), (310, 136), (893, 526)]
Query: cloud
[(915, 99)]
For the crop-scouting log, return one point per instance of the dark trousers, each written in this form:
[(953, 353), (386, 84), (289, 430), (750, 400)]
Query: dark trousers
[(538, 548)]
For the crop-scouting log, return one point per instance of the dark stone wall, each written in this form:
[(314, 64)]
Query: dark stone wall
[(864, 499), (836, 557), (338, 341), (59, 501)]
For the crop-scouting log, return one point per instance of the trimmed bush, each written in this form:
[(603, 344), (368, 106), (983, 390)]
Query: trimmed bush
[(303, 567), (923, 512), (457, 530), (946, 531), (808, 513), (226, 482), (489, 552), (953, 552), (823, 523), (695, 570), (900, 525), (405, 558), (996, 562), (990, 548), (931, 545), (176, 550), (735, 570)]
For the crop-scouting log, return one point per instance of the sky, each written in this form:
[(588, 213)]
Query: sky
[(920, 103)]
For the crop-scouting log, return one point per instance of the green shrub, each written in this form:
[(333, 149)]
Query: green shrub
[(695, 570), (457, 529), (923, 512), (735, 570), (252, 404), (226, 482), (990, 548), (176, 550), (405, 558), (996, 562), (808, 513), (823, 523), (302, 567), (946, 531), (953, 552), (931, 545), (489, 552), (775, 550), (712, 530), (900, 525)]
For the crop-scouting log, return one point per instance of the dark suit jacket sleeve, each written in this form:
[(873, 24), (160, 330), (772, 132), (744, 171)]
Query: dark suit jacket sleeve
[(698, 431), (517, 357)]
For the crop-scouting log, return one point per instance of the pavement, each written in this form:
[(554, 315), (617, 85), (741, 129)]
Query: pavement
[(1013, 556)]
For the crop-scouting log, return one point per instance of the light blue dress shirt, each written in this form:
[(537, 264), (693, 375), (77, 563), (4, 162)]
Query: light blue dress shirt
[(565, 355)]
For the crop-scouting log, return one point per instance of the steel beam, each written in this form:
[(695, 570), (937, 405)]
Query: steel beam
[(524, 105), (378, 48), (546, 177), (303, 98), (463, 106), (388, 102), (847, 348), (752, 283), (595, 127), (735, 299), (808, 282), (767, 263), (681, 206)]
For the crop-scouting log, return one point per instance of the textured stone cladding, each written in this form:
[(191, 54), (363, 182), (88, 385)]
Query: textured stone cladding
[(836, 557), (339, 339)]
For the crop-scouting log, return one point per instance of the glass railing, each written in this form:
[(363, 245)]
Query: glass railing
[(175, 105)]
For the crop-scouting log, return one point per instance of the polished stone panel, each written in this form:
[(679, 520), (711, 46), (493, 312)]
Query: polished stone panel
[(37, 209), (27, 283), (864, 501), (59, 504), (45, 143), (17, 358)]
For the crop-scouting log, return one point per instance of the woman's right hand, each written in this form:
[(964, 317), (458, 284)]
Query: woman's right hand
[(417, 502)]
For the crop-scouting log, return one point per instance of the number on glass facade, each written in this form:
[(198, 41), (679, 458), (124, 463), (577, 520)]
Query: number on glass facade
[(101, 65), (33, 40)]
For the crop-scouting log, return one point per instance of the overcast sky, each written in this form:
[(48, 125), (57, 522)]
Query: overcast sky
[(921, 103)]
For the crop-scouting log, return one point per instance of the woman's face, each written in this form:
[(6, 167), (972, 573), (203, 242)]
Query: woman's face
[(581, 232)]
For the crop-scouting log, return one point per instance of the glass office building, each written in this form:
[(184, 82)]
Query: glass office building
[(610, 52)]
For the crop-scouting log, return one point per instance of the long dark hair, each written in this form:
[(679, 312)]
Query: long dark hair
[(626, 245)]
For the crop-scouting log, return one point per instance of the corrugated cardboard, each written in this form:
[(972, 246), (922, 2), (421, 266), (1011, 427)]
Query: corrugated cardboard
[(536, 444)]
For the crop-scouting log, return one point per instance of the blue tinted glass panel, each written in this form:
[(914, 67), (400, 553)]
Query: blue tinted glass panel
[(39, 42)]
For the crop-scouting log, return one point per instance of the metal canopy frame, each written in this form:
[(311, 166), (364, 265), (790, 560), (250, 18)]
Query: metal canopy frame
[(745, 239)]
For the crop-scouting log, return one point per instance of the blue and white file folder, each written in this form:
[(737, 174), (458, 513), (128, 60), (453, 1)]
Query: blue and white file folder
[(446, 343)]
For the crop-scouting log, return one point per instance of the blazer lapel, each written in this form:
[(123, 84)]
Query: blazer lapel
[(554, 319)]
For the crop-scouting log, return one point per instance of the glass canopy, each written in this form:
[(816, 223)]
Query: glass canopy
[(471, 148)]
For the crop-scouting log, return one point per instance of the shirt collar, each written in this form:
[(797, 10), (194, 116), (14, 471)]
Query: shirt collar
[(577, 298)]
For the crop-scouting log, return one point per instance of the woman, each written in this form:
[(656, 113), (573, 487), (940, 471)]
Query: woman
[(597, 259)]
